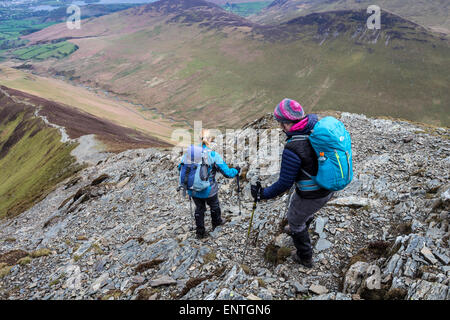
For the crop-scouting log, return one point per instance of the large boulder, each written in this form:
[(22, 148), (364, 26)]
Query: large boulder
[(361, 276)]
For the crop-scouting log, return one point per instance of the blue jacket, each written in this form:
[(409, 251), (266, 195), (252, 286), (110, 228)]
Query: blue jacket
[(290, 164), (216, 164)]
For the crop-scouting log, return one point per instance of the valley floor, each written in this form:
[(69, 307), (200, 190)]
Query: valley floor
[(90, 101)]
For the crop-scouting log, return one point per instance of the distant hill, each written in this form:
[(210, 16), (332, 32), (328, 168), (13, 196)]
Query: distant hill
[(430, 13), (191, 59)]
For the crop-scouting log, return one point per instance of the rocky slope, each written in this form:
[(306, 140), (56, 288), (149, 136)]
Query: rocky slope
[(119, 230)]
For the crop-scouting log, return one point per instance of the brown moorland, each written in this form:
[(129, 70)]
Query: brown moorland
[(79, 123)]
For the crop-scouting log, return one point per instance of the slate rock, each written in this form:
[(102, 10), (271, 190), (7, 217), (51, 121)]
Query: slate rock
[(100, 282), (318, 289), (428, 255), (323, 244), (299, 288), (441, 257), (162, 281), (424, 290)]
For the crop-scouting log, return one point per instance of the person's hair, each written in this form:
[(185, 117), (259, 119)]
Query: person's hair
[(294, 122), (291, 123), (206, 137)]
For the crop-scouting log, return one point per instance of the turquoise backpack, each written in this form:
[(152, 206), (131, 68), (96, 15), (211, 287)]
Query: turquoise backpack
[(332, 144)]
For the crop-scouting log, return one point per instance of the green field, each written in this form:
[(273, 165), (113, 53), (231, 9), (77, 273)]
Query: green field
[(246, 8), (17, 21), (11, 30), (45, 51)]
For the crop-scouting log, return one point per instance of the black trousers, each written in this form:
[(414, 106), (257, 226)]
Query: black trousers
[(302, 242), (300, 215), (200, 209)]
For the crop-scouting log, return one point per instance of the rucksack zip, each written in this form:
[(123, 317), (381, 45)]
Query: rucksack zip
[(348, 164), (337, 157)]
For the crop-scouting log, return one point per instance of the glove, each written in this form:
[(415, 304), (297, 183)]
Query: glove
[(257, 191), (238, 169)]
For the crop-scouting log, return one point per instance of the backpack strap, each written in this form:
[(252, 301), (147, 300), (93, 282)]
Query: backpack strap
[(205, 156), (307, 174), (300, 137), (307, 185), (186, 176), (193, 155)]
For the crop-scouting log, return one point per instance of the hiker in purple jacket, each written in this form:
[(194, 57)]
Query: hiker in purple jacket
[(298, 154)]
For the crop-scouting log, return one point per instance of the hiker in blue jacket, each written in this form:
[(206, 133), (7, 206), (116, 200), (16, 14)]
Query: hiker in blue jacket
[(298, 154), (210, 194)]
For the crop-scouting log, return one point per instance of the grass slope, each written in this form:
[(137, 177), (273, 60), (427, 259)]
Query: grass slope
[(11, 30), (32, 158)]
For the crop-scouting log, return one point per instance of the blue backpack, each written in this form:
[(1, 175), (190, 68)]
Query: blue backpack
[(332, 144), (194, 173)]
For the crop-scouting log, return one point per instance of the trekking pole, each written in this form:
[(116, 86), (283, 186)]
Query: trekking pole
[(190, 203), (249, 228), (193, 217), (288, 201), (237, 181), (283, 216), (289, 198), (239, 192)]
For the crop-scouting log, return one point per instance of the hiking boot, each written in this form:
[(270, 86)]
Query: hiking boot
[(201, 235), (287, 230), (304, 262), (214, 226), (308, 263)]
